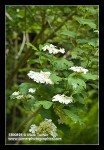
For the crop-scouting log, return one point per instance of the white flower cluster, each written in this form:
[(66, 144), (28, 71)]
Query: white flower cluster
[(45, 127), (62, 99), (52, 49), (20, 96), (29, 96), (52, 127), (79, 69), (42, 77)]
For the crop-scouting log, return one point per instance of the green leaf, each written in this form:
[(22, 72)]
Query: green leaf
[(74, 55), (33, 47), (13, 97), (40, 47), (83, 21), (45, 104), (79, 98), (33, 61), (56, 79), (46, 113), (93, 42), (28, 105), (69, 33), (58, 90), (94, 60), (90, 76), (73, 116), (40, 61), (61, 63), (76, 81), (23, 88), (65, 128), (94, 86), (77, 109), (81, 41)]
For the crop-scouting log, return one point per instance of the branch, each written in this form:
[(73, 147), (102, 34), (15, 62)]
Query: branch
[(9, 17), (31, 52), (23, 60), (22, 45), (52, 34)]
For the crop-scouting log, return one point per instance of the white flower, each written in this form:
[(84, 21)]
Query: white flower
[(20, 96), (52, 49), (17, 10), (16, 93), (60, 121), (53, 133), (47, 127), (42, 77), (33, 128), (62, 50), (48, 120), (31, 90), (30, 96), (62, 99), (79, 69)]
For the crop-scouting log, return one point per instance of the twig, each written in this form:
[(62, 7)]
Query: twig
[(22, 45), (8, 16), (52, 34)]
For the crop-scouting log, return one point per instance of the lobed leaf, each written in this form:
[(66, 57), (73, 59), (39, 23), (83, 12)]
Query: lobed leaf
[(56, 79), (86, 21), (61, 63), (23, 88), (69, 33), (89, 76), (73, 116), (45, 104), (76, 81), (33, 47)]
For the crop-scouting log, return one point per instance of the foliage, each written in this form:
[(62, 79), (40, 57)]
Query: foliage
[(79, 38)]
